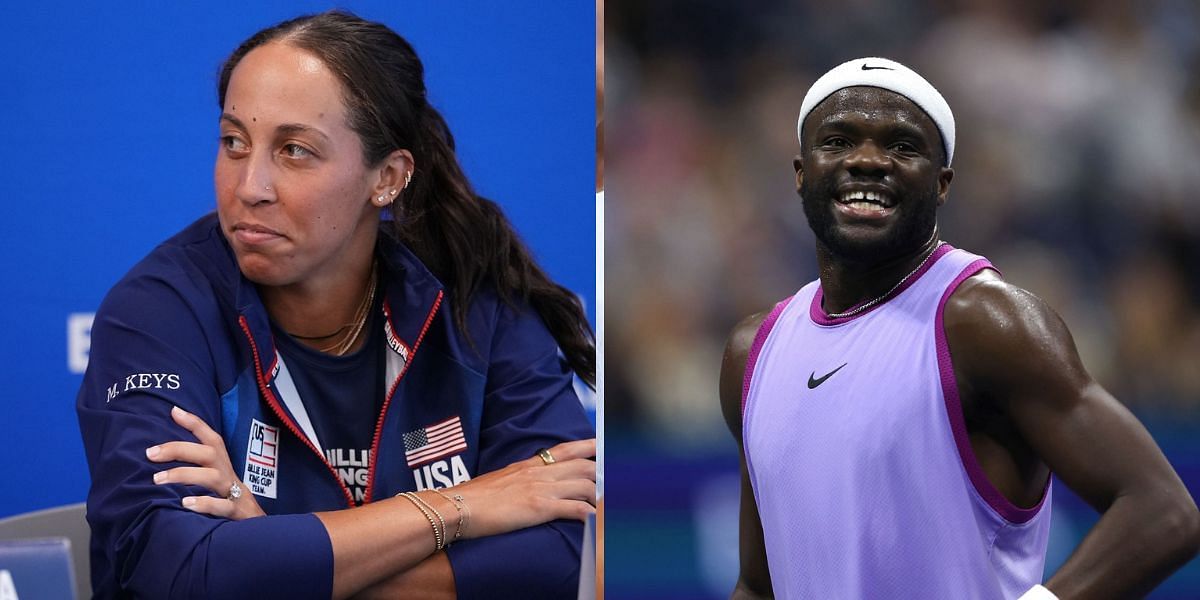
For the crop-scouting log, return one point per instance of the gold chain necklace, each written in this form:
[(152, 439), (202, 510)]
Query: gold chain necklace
[(346, 342), (360, 317), (878, 299)]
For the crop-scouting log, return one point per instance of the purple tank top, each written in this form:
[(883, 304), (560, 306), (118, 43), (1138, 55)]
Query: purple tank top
[(865, 480)]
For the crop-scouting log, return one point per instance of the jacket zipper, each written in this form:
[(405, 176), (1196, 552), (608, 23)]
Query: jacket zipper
[(274, 404), (387, 401)]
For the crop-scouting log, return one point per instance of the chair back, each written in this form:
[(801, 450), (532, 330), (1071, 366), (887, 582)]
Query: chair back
[(46, 536), (36, 568)]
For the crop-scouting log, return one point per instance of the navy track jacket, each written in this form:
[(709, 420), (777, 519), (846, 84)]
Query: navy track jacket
[(185, 328)]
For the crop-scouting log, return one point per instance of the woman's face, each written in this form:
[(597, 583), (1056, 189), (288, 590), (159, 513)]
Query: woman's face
[(293, 194)]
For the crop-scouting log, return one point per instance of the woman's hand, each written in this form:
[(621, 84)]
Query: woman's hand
[(531, 492), (214, 470)]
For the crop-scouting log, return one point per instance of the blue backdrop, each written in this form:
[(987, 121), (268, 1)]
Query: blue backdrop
[(109, 119)]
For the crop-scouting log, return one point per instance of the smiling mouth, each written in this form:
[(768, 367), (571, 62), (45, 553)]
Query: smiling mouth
[(866, 201)]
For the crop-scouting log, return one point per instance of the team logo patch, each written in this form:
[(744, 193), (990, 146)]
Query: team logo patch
[(262, 459), (432, 442)]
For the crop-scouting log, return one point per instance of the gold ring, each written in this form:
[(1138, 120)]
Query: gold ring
[(545, 455)]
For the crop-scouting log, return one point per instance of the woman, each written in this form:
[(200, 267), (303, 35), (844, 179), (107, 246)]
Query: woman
[(276, 394)]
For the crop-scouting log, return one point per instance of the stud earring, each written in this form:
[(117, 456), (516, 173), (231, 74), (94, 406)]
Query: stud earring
[(268, 188)]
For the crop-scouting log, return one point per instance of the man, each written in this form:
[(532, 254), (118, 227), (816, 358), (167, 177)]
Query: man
[(900, 417)]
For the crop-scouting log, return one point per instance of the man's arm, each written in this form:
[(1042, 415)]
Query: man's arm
[(1012, 351), (754, 580)]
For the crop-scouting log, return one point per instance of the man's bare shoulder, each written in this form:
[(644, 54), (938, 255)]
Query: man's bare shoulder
[(987, 298), (733, 369), (996, 329), (741, 338)]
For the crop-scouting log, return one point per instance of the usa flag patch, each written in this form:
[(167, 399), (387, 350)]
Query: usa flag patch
[(432, 442)]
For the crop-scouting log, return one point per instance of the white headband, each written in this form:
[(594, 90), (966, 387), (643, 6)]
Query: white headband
[(889, 75)]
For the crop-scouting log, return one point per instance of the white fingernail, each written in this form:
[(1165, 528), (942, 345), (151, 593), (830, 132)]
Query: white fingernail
[(160, 477), (178, 412), (152, 451), (189, 501)]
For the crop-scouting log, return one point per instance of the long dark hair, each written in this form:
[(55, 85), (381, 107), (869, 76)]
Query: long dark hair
[(439, 217)]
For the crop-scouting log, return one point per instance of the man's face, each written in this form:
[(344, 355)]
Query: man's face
[(870, 174)]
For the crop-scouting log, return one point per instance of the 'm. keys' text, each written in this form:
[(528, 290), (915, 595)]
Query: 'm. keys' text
[(144, 381)]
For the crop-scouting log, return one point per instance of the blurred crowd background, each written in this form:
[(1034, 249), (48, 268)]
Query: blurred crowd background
[(1076, 170)]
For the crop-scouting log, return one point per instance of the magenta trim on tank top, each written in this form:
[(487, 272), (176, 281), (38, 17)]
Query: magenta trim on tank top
[(760, 337), (958, 425), (821, 318)]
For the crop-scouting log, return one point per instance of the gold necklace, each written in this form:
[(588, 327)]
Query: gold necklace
[(343, 345), (878, 299), (309, 338)]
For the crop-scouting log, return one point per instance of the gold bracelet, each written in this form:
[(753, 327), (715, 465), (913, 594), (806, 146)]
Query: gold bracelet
[(438, 514), (437, 535), (464, 513)]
